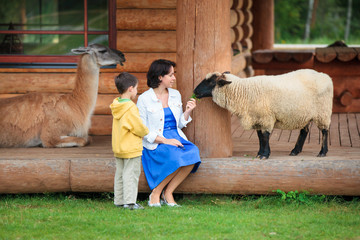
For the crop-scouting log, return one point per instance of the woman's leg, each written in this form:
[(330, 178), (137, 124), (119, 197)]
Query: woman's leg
[(180, 176), (155, 194)]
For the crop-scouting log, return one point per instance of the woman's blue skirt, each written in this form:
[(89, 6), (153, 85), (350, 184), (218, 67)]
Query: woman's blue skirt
[(166, 159)]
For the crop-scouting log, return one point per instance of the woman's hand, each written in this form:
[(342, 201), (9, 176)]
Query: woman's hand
[(190, 105), (173, 142)]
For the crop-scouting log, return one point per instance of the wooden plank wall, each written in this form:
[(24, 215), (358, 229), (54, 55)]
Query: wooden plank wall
[(146, 30)]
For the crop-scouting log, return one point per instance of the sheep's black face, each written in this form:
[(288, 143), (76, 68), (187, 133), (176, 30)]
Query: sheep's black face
[(204, 89)]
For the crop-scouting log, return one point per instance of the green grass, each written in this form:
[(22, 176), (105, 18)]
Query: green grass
[(93, 216)]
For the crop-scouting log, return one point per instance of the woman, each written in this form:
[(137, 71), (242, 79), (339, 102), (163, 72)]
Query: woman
[(168, 157)]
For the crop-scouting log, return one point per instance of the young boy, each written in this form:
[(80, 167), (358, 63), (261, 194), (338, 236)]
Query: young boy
[(127, 133)]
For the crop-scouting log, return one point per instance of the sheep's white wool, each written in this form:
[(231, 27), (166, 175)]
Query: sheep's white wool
[(287, 101)]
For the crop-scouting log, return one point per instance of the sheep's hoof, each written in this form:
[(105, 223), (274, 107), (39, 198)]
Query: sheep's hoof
[(261, 157), (321, 155), (294, 153)]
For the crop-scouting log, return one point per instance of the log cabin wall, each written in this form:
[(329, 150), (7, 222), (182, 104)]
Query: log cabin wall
[(146, 30)]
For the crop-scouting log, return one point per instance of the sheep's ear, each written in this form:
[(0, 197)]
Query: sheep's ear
[(222, 82), (226, 72)]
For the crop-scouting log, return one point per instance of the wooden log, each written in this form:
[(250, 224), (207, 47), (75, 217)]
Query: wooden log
[(248, 16), (263, 56), (87, 175), (345, 54), (282, 56), (102, 104), (135, 62), (101, 125), (235, 175), (358, 53), (59, 82), (140, 62), (107, 85), (247, 30), (236, 4), (146, 41), (346, 98), (185, 45), (146, 4), (238, 63), (236, 18), (237, 46), (325, 55), (232, 35), (35, 174), (146, 19), (247, 44), (247, 4), (236, 34), (303, 56), (263, 23), (197, 55)]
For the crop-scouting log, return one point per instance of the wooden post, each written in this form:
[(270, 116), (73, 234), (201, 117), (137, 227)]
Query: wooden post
[(263, 24), (203, 46)]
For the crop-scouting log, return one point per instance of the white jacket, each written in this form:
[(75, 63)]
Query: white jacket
[(152, 114)]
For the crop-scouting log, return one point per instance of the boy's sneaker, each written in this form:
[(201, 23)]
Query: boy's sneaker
[(133, 206)]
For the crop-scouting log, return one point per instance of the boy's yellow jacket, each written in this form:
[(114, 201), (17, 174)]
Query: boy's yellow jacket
[(127, 130)]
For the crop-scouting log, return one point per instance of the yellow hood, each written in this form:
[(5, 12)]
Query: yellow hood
[(118, 109)]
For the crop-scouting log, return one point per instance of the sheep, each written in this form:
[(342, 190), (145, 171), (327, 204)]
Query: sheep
[(288, 101), (54, 119)]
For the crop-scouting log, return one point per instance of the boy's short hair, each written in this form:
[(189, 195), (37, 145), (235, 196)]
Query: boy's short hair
[(158, 68), (125, 80)]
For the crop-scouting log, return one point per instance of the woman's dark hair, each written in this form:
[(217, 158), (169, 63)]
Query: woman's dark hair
[(125, 80), (158, 68)]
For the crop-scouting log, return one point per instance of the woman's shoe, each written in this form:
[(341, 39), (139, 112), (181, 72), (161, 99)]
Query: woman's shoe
[(168, 204), (153, 204)]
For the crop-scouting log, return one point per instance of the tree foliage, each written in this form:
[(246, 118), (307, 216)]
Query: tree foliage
[(329, 21)]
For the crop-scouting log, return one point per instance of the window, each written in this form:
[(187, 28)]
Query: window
[(46, 30)]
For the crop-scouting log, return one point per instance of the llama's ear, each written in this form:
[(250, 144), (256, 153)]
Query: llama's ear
[(80, 50)]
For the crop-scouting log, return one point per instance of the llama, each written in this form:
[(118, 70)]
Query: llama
[(54, 119)]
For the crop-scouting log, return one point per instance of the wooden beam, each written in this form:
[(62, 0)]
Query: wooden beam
[(146, 19), (263, 24), (58, 82), (93, 171), (146, 41), (203, 46), (146, 4)]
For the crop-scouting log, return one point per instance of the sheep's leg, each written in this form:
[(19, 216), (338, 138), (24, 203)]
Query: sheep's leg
[(300, 141), (261, 149), (324, 143), (264, 151)]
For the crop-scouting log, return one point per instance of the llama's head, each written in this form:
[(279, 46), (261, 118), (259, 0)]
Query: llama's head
[(104, 55), (211, 81)]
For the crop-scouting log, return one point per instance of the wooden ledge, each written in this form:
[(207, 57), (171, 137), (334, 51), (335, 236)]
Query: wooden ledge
[(343, 54), (266, 56), (92, 168)]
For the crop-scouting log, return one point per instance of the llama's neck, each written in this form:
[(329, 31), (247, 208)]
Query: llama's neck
[(86, 83)]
